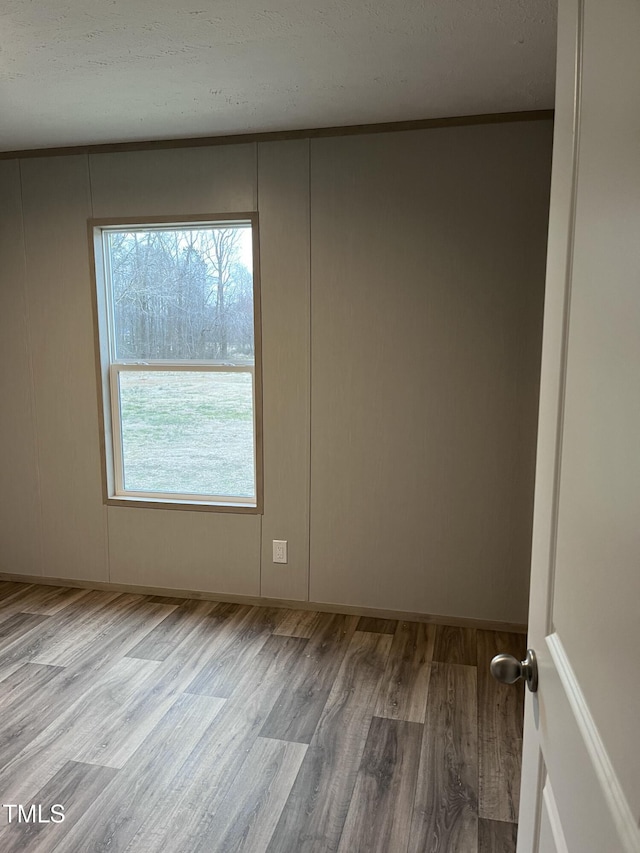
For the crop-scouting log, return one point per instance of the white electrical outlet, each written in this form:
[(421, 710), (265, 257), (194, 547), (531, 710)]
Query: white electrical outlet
[(280, 551)]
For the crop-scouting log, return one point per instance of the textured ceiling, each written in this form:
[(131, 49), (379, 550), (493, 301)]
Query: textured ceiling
[(81, 71)]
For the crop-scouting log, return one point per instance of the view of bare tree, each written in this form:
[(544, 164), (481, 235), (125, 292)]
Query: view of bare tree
[(182, 294)]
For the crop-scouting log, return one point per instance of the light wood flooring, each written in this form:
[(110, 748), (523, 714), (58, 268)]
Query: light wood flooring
[(189, 726)]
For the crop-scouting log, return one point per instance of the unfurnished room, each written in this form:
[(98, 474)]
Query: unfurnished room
[(319, 464)]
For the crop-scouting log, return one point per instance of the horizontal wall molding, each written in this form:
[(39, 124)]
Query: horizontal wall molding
[(321, 606), (279, 135)]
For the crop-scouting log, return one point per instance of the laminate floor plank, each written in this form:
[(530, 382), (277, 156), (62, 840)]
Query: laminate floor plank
[(68, 735), (314, 815), (7, 670), (113, 821), (406, 680), (14, 593), (455, 645), (227, 609), (445, 813), (301, 704), (23, 685), (17, 625), (10, 588), (298, 623), (170, 599), (379, 816), (500, 713), (28, 647), (248, 814), (69, 685), (153, 696), (41, 600), (497, 836), (76, 787), (8, 613), (25, 723), (222, 674), (163, 639), (52, 599), (377, 626), (72, 641), (188, 810), (65, 688)]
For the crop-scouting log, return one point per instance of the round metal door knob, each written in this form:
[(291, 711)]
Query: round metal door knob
[(507, 669)]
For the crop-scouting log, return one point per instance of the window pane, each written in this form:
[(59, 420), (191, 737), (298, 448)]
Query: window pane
[(183, 294), (188, 432)]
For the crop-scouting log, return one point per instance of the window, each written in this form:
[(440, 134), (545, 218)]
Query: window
[(177, 305)]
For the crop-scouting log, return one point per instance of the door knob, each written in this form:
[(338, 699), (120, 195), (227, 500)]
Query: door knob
[(507, 669)]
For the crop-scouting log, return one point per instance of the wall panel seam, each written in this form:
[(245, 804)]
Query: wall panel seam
[(105, 509), (309, 371), (32, 390), (256, 204)]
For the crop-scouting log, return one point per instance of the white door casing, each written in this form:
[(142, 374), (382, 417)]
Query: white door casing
[(581, 764)]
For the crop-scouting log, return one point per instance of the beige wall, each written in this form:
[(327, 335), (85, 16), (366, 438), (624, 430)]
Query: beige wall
[(402, 279), (427, 271)]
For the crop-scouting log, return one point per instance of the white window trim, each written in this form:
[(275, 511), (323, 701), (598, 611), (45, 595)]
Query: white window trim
[(109, 369)]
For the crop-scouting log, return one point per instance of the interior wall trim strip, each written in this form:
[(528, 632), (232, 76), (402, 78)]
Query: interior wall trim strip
[(321, 606), (278, 135)]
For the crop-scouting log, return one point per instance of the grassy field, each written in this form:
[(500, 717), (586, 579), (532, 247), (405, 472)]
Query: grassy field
[(190, 433)]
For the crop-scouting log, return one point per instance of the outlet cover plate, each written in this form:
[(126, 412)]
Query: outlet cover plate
[(280, 551)]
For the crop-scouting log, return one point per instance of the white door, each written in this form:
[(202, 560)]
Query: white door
[(581, 767)]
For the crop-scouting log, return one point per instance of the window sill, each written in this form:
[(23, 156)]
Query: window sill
[(197, 506)]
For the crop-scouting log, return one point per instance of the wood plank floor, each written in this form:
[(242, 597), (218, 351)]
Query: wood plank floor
[(184, 726)]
